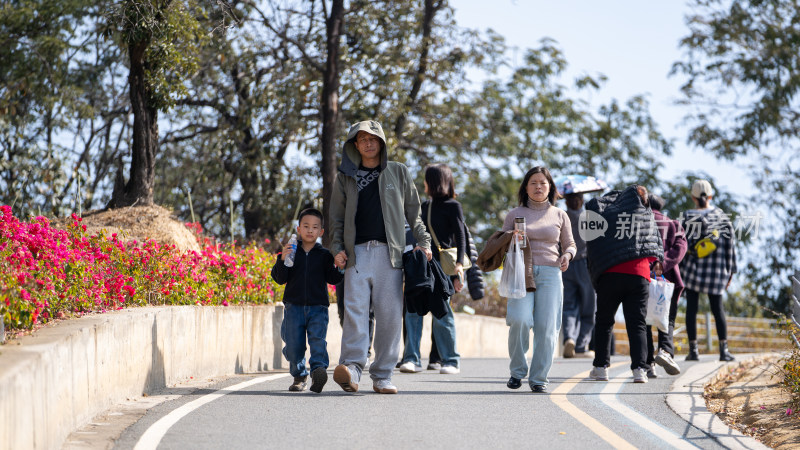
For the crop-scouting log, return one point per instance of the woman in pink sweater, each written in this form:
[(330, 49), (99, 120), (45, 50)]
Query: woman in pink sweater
[(549, 234)]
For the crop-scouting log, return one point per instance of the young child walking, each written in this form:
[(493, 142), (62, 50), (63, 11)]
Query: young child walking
[(305, 301)]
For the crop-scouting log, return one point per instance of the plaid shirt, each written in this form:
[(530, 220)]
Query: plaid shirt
[(710, 274)]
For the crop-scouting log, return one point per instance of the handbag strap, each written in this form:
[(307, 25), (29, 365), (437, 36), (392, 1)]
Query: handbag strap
[(430, 227)]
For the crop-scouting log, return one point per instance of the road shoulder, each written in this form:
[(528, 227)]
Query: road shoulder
[(686, 400)]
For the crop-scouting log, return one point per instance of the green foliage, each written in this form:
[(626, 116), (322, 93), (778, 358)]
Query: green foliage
[(740, 81), (38, 43), (745, 51), (172, 36), (245, 110), (239, 88), (530, 120)]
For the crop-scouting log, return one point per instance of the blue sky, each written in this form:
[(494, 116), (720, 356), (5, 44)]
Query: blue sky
[(633, 43)]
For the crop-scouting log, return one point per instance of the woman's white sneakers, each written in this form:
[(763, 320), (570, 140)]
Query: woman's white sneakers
[(664, 360), (599, 374), (449, 370), (410, 367), (639, 375)]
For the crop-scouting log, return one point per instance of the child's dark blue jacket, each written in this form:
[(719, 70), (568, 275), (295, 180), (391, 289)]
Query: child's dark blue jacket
[(306, 280)]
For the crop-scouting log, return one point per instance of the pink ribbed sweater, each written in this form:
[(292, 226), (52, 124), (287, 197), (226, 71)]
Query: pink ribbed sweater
[(546, 227)]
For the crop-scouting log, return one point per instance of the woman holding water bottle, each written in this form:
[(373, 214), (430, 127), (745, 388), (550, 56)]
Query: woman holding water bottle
[(444, 219), (547, 230)]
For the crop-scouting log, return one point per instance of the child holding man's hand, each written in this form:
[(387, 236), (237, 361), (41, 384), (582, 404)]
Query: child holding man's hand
[(305, 301)]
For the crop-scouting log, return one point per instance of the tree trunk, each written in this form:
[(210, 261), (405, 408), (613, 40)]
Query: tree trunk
[(431, 8), (253, 214), (139, 188), (330, 108)]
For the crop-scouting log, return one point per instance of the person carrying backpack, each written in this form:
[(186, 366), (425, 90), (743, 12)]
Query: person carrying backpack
[(709, 265), (621, 261)]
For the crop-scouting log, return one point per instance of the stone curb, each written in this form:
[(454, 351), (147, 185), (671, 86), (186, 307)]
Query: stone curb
[(59, 378), (686, 400)]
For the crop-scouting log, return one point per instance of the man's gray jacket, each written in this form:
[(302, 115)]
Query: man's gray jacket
[(399, 200)]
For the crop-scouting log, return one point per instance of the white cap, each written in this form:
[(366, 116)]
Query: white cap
[(701, 187)]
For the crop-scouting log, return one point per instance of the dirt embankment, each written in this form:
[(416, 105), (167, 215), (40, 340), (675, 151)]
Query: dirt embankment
[(751, 399)]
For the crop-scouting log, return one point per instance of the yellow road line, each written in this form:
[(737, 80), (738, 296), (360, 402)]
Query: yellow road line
[(559, 397)]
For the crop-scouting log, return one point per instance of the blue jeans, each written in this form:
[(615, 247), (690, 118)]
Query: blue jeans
[(444, 332), (540, 311), (299, 321), (579, 304)]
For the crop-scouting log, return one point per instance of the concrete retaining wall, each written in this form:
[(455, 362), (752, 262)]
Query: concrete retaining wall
[(55, 381)]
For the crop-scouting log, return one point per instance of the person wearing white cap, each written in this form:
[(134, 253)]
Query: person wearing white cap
[(709, 264)]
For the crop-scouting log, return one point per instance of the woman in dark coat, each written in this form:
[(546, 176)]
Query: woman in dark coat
[(447, 220), (620, 261)]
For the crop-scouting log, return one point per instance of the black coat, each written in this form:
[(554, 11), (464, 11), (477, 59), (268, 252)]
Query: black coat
[(630, 232), (447, 220), (474, 275), (306, 282), (427, 288)]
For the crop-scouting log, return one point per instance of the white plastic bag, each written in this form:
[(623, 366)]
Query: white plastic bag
[(512, 281), (658, 303)]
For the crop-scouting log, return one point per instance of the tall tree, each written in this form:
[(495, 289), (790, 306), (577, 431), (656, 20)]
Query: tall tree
[(257, 126), (39, 44), (419, 75), (161, 38), (232, 134), (366, 78), (740, 70), (530, 119)]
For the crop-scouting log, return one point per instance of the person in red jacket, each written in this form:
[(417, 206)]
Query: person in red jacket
[(675, 245), (620, 262)]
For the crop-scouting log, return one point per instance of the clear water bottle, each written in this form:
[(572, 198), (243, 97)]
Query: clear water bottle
[(519, 225), (289, 261)]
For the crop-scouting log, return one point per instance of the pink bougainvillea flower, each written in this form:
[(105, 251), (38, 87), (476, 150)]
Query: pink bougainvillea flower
[(48, 272)]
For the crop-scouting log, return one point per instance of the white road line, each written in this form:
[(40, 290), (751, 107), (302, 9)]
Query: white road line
[(559, 397), (609, 397), (153, 435)]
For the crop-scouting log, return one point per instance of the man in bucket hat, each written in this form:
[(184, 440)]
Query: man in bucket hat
[(372, 200)]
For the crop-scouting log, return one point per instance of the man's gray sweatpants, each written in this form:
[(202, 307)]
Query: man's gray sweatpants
[(372, 276)]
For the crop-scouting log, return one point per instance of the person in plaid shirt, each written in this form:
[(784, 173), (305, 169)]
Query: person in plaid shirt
[(711, 273)]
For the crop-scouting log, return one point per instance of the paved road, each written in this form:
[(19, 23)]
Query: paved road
[(473, 409)]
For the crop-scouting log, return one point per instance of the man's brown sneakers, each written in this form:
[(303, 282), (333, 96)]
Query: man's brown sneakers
[(343, 377)]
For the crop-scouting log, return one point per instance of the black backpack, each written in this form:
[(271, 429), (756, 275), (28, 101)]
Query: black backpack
[(701, 235)]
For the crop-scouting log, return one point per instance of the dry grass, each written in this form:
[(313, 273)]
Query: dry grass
[(139, 223), (751, 399)]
